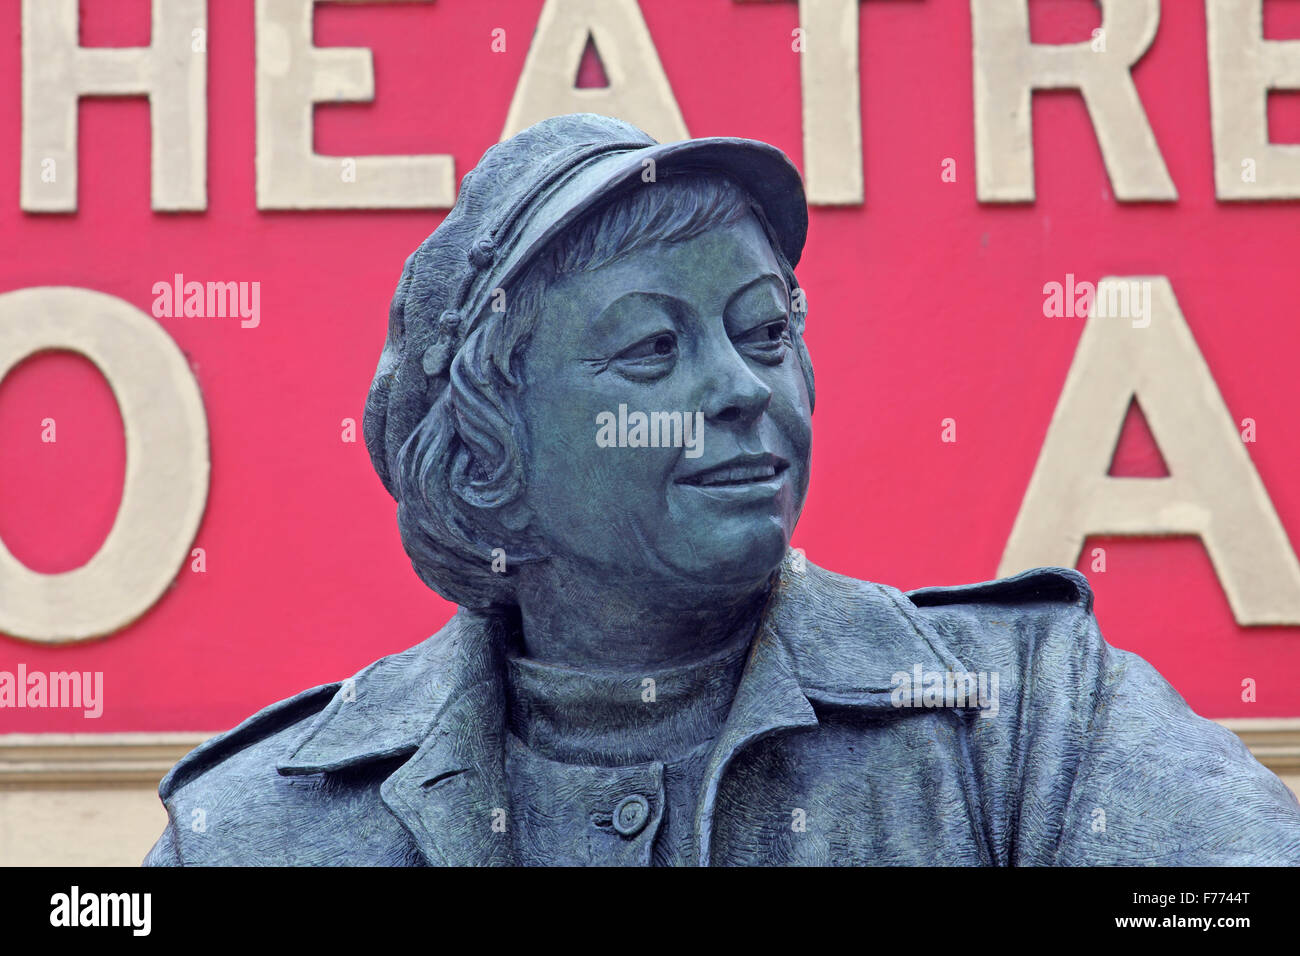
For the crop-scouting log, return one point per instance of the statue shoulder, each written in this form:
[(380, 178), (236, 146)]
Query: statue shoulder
[(226, 796), (278, 720), (270, 790), (1061, 587), (375, 711), (848, 635), (1043, 614)]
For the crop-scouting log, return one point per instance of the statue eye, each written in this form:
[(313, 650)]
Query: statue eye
[(648, 360), (658, 346), (769, 340)]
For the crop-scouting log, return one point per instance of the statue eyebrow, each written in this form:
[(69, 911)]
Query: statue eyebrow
[(672, 304), (753, 282), (669, 303)]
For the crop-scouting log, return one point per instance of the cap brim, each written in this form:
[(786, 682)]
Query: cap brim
[(763, 170)]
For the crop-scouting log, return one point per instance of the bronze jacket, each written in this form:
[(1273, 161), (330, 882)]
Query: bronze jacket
[(828, 756)]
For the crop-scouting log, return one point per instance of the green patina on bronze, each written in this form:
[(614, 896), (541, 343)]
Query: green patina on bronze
[(641, 670)]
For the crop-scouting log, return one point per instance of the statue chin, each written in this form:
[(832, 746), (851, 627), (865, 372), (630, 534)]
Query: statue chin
[(730, 566)]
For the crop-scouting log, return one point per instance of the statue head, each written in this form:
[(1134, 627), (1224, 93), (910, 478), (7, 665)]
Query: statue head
[(597, 361)]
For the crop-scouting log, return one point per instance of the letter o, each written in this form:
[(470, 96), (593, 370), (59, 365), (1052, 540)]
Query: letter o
[(165, 488)]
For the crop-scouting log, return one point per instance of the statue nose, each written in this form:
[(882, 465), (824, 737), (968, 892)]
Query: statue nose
[(733, 392)]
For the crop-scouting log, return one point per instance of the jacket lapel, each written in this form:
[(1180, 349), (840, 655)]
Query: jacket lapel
[(767, 700), (827, 639), (452, 795), (442, 703)]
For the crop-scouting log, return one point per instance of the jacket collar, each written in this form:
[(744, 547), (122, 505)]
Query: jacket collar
[(823, 639), (768, 699), (451, 795)]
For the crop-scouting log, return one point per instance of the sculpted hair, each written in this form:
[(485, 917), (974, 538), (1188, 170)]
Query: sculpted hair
[(459, 478)]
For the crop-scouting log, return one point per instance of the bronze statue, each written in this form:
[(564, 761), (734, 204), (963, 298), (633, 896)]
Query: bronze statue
[(594, 409)]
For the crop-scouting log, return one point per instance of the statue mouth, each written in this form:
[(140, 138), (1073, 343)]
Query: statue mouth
[(741, 471)]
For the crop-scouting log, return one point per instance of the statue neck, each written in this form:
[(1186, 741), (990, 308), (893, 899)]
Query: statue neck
[(575, 621)]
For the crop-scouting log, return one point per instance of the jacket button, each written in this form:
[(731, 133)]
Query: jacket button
[(631, 814)]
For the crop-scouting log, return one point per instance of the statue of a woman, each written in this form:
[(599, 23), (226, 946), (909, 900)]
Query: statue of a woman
[(594, 411)]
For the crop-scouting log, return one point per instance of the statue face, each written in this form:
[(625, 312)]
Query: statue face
[(698, 328)]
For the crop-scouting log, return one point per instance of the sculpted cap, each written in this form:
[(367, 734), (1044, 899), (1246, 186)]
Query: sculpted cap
[(522, 194)]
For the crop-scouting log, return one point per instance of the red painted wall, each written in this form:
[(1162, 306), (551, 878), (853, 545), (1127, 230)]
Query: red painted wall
[(924, 305)]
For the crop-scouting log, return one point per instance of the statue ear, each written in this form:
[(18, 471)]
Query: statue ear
[(517, 516), (487, 474)]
